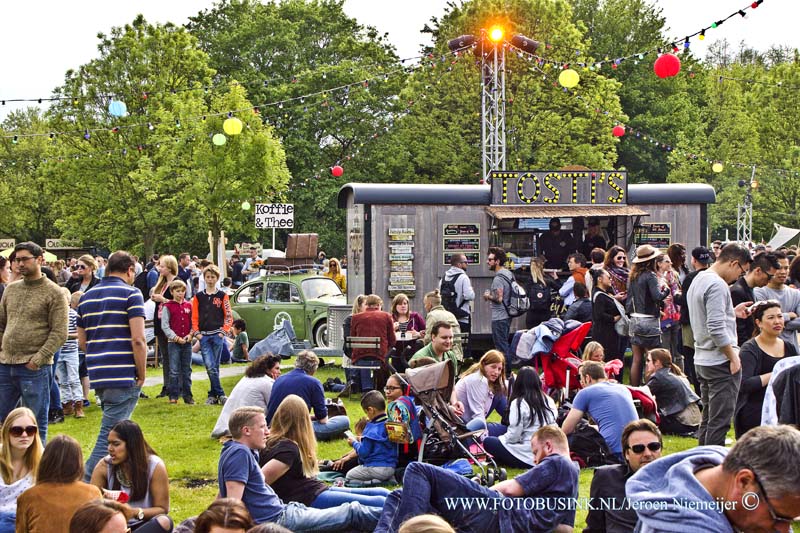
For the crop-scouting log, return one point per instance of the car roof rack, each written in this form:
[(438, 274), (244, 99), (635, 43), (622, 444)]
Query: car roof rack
[(288, 270)]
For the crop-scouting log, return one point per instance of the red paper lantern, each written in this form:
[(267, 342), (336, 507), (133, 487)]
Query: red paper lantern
[(337, 171), (618, 131), (667, 65)]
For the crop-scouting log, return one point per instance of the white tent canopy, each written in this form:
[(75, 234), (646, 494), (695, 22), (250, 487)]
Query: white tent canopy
[(782, 236)]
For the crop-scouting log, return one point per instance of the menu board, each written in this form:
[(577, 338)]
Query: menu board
[(461, 238), (656, 234), (401, 262)]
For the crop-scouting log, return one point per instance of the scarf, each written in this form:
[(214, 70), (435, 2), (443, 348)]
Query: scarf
[(619, 278)]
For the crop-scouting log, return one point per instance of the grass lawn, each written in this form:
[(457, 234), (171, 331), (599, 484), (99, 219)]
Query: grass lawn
[(180, 435)]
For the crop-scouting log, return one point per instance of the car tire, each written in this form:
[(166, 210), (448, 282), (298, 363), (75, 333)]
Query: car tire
[(321, 335)]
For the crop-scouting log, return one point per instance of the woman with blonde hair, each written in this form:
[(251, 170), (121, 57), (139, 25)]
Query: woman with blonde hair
[(161, 294), (84, 279), (426, 523), (290, 466), (539, 290), (335, 273), (20, 453), (480, 390)]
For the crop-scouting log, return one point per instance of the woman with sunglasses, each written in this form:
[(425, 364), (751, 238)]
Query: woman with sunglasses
[(616, 263), (20, 453), (133, 467), (678, 405), (84, 278), (290, 466), (48, 506), (759, 356)]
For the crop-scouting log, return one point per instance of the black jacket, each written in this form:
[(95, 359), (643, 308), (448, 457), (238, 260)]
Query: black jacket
[(644, 296), (741, 292), (580, 310), (672, 393), (680, 299), (608, 484), (74, 284)]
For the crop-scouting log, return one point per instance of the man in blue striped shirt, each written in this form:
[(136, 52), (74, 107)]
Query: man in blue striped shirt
[(111, 332)]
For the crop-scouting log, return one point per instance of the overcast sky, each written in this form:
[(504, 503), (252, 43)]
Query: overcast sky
[(41, 39)]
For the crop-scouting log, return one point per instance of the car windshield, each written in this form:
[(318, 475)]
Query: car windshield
[(319, 287)]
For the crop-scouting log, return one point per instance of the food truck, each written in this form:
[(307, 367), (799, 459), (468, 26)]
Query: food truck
[(400, 237)]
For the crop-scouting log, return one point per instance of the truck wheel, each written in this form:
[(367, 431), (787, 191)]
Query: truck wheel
[(321, 335)]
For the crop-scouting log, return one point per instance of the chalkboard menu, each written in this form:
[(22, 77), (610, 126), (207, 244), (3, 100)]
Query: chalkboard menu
[(461, 238), (401, 262), (656, 234)]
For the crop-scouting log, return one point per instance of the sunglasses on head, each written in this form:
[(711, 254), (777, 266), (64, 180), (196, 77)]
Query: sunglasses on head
[(17, 431), (652, 446)]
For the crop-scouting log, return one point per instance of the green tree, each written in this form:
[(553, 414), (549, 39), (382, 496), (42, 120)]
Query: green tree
[(282, 51), (27, 196)]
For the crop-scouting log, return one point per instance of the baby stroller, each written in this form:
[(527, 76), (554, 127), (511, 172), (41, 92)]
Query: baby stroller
[(561, 363), (445, 436)]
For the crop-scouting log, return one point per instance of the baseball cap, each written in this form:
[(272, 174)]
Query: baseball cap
[(702, 255)]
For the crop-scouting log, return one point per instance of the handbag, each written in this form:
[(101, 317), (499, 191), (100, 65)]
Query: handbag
[(621, 326), (335, 408)]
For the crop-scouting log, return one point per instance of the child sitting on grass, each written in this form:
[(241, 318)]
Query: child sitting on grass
[(241, 344), (376, 454)]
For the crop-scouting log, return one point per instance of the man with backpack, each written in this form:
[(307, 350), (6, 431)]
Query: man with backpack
[(456, 291), (508, 300)]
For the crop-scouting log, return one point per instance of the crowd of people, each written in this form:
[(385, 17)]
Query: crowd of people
[(684, 328)]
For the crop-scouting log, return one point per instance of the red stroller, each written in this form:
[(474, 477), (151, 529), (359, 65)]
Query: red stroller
[(561, 363)]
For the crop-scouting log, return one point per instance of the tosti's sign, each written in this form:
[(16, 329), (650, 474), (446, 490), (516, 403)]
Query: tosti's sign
[(555, 187)]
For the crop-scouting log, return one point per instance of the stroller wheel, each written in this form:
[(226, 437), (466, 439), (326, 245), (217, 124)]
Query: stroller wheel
[(502, 475), (489, 478), (478, 480)]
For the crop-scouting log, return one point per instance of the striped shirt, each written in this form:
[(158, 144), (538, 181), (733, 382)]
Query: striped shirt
[(71, 346), (104, 313)]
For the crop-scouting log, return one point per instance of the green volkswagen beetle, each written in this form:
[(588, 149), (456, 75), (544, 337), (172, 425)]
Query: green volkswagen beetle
[(303, 298)]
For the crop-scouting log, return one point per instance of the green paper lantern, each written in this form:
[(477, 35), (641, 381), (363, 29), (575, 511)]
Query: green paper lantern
[(219, 139)]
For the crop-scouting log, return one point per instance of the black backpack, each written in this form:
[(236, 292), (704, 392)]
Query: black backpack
[(447, 290), (140, 282), (588, 447), (539, 295)]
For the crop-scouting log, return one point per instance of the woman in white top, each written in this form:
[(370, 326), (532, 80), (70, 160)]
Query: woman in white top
[(253, 389), (132, 467), (529, 410), (482, 389), (20, 452)]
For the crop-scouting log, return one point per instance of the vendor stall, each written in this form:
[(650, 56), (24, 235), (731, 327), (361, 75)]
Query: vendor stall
[(401, 236)]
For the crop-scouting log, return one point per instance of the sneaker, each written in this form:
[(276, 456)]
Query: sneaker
[(211, 401), (87, 403), (188, 401), (56, 416), (143, 396), (222, 399), (162, 394)]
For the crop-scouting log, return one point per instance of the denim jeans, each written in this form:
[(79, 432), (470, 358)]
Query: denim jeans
[(500, 329), (69, 381), (425, 488), (353, 515), (718, 390), (180, 370), (501, 455), (55, 394), (335, 496), (333, 428), (32, 386), (117, 405), (211, 348)]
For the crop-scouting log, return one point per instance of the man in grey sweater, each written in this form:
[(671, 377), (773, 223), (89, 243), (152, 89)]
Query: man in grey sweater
[(716, 356), (33, 326), (789, 298)]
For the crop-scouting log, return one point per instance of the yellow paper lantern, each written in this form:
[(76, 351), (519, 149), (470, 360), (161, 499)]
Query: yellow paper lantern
[(232, 126), (717, 167), (569, 78)]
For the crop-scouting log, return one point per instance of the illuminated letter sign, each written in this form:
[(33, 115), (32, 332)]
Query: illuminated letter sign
[(555, 187)]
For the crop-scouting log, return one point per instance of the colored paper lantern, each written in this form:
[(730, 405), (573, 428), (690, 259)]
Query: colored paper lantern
[(117, 108), (219, 139), (232, 126), (337, 171), (618, 131), (568, 78), (667, 65), (246, 206), (717, 167)]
